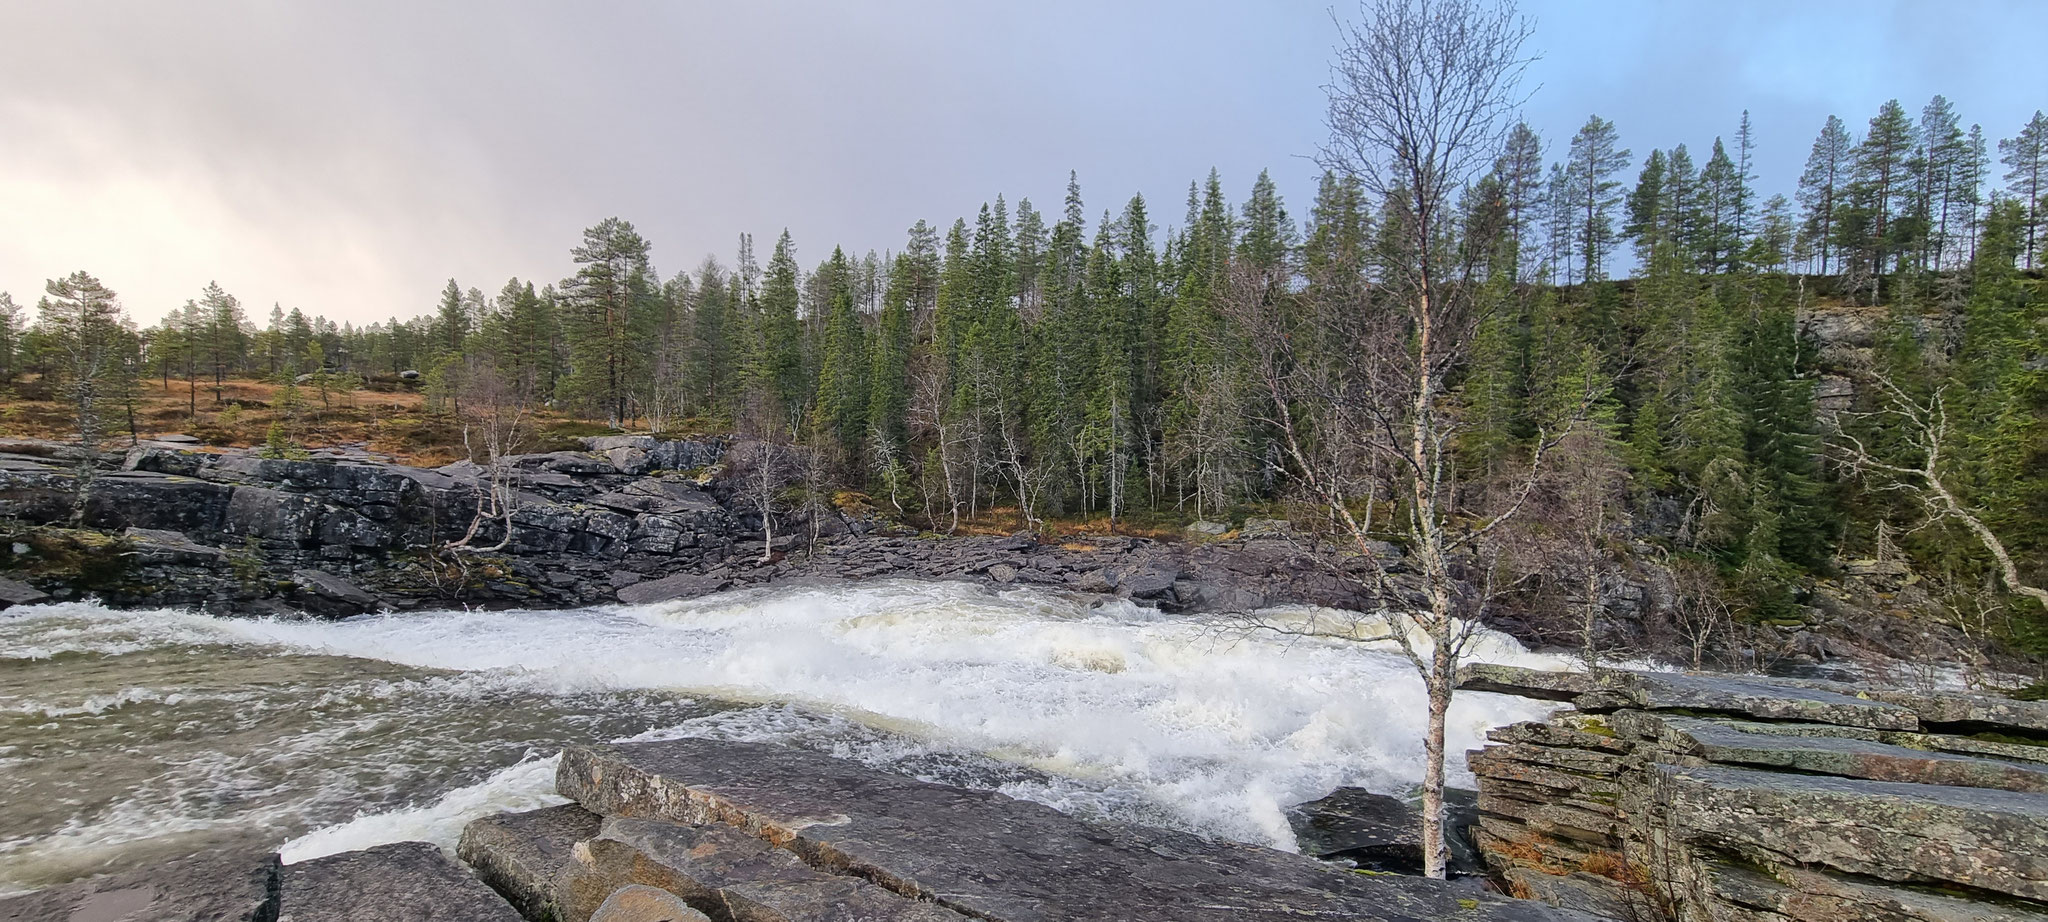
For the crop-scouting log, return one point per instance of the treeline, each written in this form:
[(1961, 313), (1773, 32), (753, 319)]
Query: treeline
[(1068, 367)]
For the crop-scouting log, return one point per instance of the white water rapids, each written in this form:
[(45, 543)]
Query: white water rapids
[(124, 734)]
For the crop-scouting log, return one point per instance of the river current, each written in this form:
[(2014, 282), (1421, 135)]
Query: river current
[(127, 735)]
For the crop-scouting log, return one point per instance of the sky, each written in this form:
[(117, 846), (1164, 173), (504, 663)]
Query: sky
[(347, 159)]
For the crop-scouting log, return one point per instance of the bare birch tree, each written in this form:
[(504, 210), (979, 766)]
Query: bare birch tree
[(498, 408), (1924, 426), (1422, 93)]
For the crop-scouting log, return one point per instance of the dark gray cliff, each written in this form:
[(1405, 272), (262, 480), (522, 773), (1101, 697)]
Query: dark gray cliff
[(631, 519)]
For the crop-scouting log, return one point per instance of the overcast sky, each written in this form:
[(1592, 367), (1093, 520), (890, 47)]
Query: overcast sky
[(347, 158)]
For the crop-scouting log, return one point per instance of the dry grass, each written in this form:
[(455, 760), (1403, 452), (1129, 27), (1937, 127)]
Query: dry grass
[(395, 422)]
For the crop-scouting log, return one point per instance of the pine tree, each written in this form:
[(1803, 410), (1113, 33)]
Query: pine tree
[(226, 339), (1557, 225), (1029, 261), (1821, 187), (1685, 206), (1976, 165), (607, 311), (83, 319), (1880, 193), (1594, 159), (1772, 249), (2026, 160), (1520, 170), (953, 307), (1062, 355), (1946, 167), (1721, 193), (1495, 385)]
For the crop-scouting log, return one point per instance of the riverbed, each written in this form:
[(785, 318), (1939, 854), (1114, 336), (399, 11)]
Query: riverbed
[(129, 735)]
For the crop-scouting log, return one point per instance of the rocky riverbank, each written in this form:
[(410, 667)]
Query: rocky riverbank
[(1696, 797), (749, 832), (636, 519), (629, 519)]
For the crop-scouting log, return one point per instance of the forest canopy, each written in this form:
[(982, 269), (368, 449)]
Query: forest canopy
[(1752, 381)]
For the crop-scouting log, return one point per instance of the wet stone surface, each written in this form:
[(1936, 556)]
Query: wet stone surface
[(986, 855)]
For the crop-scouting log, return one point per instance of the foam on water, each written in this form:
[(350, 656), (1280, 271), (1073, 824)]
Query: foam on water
[(526, 786), (1102, 709)]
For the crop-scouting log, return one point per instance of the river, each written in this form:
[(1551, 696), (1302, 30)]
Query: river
[(128, 735)]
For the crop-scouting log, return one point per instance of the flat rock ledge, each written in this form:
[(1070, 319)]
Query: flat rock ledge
[(1682, 796), (715, 831), (762, 833)]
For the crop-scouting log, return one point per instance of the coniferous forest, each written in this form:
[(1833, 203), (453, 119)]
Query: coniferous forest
[(1754, 390)]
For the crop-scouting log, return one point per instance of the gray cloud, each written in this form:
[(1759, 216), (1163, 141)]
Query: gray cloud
[(347, 158)]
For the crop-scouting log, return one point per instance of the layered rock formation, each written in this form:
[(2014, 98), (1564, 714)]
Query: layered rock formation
[(1673, 796)]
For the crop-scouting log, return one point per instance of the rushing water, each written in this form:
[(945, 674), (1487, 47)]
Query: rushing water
[(125, 735)]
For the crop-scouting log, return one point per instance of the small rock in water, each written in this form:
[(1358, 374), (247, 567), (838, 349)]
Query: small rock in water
[(640, 903), (19, 593), (1381, 833)]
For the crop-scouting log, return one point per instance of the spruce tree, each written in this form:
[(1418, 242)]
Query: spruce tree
[(1781, 441), (779, 335), (452, 320), (843, 387)]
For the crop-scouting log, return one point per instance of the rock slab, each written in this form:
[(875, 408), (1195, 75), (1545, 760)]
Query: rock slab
[(400, 882), (635, 903), (524, 855), (221, 887), (988, 856), (1766, 800), (732, 874)]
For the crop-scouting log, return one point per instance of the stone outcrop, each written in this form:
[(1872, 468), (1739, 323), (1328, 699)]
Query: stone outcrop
[(1667, 795), (774, 830), (630, 518)]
